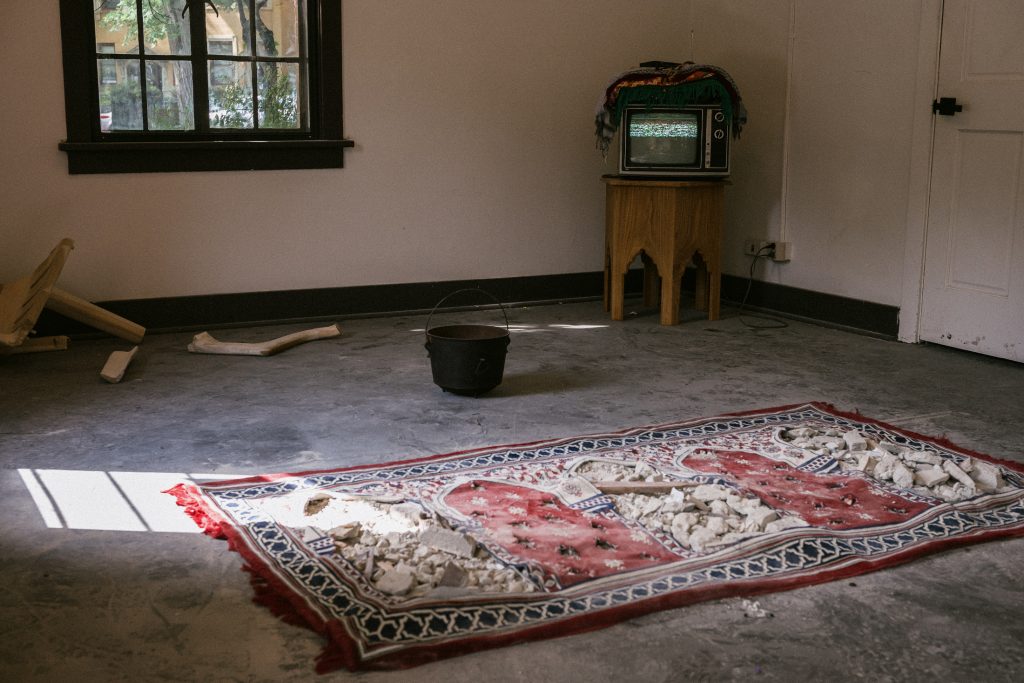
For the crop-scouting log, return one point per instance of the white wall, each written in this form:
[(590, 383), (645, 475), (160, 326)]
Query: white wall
[(849, 146), (475, 155)]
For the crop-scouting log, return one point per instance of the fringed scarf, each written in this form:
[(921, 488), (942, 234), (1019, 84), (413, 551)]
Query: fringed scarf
[(677, 85)]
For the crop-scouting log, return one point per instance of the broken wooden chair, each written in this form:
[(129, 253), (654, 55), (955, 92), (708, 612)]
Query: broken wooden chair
[(23, 300)]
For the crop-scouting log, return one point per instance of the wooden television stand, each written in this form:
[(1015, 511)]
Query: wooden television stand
[(669, 222)]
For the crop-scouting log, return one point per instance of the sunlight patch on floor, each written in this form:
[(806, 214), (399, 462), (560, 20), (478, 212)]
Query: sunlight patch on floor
[(111, 501)]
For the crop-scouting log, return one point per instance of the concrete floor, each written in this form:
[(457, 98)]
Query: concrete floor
[(119, 605)]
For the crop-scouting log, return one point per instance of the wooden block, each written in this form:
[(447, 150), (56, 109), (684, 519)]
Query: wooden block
[(84, 312), (205, 343), (115, 366)]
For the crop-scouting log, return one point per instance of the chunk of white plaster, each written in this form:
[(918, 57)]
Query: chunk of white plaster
[(958, 474), (931, 476), (902, 476), (854, 441), (396, 582), (448, 541)]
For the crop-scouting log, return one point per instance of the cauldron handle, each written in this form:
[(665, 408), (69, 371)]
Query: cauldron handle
[(459, 291)]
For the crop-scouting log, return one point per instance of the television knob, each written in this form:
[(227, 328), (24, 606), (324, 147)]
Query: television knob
[(719, 116), (719, 134)]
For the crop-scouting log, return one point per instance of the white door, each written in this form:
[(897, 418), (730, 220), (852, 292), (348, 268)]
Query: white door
[(973, 294)]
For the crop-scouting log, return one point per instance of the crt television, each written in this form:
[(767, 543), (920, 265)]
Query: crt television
[(674, 141)]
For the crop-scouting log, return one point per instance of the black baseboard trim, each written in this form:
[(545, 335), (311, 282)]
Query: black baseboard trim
[(856, 315), (187, 313)]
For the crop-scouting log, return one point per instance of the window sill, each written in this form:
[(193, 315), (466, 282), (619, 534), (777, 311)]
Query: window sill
[(202, 155)]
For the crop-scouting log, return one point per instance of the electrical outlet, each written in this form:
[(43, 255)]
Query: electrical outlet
[(783, 252), (779, 252), (757, 247)]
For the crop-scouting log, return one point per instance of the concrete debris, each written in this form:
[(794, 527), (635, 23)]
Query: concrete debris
[(403, 549), (902, 476), (885, 466), (923, 471), (703, 517), (409, 511), (606, 470), (854, 441), (316, 503), (368, 562), (930, 477), (754, 610), (396, 581), (866, 462), (447, 541), (927, 457), (677, 501), (709, 492), (345, 532), (986, 476), (453, 576), (958, 474)]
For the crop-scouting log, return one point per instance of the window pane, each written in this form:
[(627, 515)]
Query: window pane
[(121, 102), (221, 45), (107, 67), (169, 95), (228, 24), (279, 96), (116, 24), (277, 25), (231, 100), (166, 28)]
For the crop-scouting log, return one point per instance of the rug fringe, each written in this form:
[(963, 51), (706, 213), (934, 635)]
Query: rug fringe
[(189, 497), (269, 590)]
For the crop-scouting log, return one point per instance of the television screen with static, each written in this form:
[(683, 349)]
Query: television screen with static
[(687, 141), (664, 138)]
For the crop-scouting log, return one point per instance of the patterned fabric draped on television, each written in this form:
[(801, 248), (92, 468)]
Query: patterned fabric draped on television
[(676, 85)]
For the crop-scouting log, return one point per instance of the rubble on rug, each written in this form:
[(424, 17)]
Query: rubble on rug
[(404, 550), (697, 517), (922, 471)]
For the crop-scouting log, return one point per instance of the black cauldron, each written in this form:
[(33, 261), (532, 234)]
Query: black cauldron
[(467, 359)]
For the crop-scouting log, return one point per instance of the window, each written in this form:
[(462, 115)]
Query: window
[(107, 67), (179, 85), (222, 73)]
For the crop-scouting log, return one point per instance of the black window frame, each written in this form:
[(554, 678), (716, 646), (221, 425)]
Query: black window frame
[(90, 150)]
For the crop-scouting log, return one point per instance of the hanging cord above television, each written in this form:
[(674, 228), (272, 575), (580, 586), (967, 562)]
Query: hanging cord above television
[(667, 83)]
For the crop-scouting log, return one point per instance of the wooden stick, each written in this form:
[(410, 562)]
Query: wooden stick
[(84, 312), (115, 366), (204, 343), (35, 344), (641, 486)]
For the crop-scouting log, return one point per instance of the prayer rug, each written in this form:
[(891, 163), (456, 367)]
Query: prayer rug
[(405, 563)]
